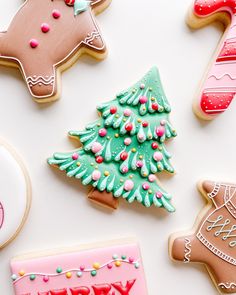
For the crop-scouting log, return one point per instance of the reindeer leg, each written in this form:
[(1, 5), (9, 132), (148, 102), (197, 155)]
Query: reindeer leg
[(41, 79)]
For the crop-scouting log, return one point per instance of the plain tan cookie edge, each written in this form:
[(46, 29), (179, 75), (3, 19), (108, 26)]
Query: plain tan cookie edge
[(22, 166)]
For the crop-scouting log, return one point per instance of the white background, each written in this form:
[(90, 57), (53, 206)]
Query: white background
[(139, 34)]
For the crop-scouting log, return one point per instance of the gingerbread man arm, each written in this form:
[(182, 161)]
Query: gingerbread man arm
[(219, 85), (217, 192), (93, 41)]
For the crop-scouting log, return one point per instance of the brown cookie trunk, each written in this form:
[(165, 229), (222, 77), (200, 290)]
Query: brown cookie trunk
[(103, 198)]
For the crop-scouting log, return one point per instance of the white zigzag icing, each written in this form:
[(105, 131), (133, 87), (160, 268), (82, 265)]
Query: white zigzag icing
[(227, 285), (187, 251), (32, 81)]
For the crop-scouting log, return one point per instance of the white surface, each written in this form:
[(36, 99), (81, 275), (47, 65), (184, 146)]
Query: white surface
[(139, 34)]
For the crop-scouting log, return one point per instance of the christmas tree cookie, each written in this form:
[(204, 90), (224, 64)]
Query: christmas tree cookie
[(46, 37), (124, 149)]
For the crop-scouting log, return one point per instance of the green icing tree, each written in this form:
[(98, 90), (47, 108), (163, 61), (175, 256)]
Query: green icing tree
[(124, 149)]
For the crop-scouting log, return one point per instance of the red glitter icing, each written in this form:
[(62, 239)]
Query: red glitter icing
[(215, 103), (207, 7)]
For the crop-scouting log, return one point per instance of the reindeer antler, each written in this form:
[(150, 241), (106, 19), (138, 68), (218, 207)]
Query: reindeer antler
[(208, 7)]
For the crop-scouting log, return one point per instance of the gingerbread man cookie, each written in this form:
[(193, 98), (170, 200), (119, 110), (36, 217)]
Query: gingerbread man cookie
[(15, 194), (213, 241), (113, 268), (219, 84), (58, 32)]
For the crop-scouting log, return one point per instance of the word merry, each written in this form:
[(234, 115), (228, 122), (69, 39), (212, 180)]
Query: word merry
[(102, 289)]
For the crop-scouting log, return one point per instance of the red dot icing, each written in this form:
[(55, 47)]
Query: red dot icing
[(34, 43), (45, 28), (216, 103), (207, 7), (56, 13)]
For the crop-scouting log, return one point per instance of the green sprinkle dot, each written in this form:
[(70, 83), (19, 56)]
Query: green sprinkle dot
[(32, 277), (137, 265), (93, 273), (59, 270), (123, 257), (115, 256)]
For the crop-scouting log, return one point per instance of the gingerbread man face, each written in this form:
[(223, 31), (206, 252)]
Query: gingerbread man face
[(219, 84), (47, 36), (213, 242)]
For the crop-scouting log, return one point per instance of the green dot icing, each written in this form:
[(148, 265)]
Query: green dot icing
[(93, 273), (123, 257), (129, 110), (32, 277), (59, 270)]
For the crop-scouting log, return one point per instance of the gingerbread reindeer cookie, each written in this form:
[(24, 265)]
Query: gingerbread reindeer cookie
[(219, 84), (213, 241), (58, 32)]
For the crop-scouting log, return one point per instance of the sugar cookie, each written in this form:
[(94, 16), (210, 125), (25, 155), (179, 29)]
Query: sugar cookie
[(219, 84), (58, 32), (15, 194), (112, 269), (213, 241)]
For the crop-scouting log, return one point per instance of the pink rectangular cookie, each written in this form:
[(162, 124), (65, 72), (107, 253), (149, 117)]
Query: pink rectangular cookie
[(110, 269)]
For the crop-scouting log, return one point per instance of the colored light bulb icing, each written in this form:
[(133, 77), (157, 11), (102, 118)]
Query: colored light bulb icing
[(120, 145), (120, 276)]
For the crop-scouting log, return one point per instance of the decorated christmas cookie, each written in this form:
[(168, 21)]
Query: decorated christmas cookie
[(58, 32), (104, 270), (125, 148), (14, 194), (219, 84), (213, 241)]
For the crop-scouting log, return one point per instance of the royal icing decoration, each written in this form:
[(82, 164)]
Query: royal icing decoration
[(50, 43), (214, 240), (125, 148), (219, 86), (111, 270), (14, 195)]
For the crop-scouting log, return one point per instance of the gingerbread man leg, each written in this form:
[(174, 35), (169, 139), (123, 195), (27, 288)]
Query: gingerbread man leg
[(41, 79)]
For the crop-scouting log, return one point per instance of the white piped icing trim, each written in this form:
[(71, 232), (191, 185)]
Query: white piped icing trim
[(215, 250), (40, 80), (91, 37), (222, 76), (215, 191), (227, 285), (187, 251)]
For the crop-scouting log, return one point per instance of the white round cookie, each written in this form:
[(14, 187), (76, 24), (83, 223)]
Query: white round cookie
[(15, 194)]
